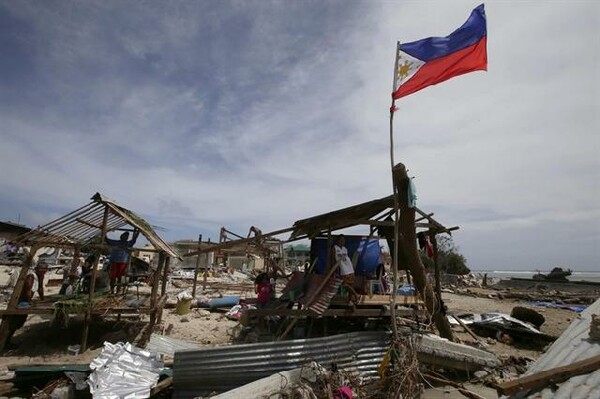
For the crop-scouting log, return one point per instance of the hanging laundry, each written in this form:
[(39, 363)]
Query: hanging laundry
[(428, 247), (421, 240), (412, 193)]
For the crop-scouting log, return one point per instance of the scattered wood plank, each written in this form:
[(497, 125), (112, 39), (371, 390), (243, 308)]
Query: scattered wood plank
[(161, 386), (552, 376), (467, 329), (14, 366)]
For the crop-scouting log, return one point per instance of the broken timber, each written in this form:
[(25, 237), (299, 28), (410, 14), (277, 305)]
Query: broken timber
[(408, 249), (554, 376)]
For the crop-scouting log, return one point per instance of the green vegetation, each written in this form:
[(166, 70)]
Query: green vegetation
[(451, 261)]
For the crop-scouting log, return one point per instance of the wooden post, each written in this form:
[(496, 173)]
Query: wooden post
[(196, 269), (14, 299), (396, 213), (204, 278), (166, 271), (154, 291), (88, 313), (409, 247), (436, 263)]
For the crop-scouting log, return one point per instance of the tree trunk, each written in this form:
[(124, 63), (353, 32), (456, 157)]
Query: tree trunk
[(408, 242)]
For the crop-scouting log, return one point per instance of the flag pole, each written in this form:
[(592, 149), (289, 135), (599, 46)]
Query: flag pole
[(396, 204)]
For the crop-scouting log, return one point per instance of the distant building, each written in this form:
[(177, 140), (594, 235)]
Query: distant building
[(10, 230), (296, 255), (147, 254), (183, 247)]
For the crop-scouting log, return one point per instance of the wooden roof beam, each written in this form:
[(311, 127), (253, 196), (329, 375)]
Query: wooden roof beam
[(229, 244)]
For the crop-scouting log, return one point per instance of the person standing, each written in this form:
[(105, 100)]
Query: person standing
[(346, 267), (30, 286), (263, 289), (86, 273), (119, 258), (71, 275), (40, 271)]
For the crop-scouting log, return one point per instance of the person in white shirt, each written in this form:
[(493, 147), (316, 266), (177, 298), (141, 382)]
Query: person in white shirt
[(346, 267)]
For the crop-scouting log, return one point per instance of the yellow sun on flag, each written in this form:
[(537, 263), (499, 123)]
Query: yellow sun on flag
[(404, 70)]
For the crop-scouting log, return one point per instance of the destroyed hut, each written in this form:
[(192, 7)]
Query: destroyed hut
[(85, 229), (315, 292)]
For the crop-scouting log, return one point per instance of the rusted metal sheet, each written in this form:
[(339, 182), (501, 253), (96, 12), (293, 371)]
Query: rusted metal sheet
[(321, 303)]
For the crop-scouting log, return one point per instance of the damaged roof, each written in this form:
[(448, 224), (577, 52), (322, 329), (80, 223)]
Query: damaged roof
[(84, 226), (358, 214), (373, 213)]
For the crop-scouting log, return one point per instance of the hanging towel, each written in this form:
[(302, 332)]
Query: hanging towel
[(412, 193), (429, 247)]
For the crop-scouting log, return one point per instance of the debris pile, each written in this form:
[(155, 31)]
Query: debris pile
[(504, 328), (399, 370)]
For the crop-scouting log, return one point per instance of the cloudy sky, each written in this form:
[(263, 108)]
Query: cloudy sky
[(204, 114)]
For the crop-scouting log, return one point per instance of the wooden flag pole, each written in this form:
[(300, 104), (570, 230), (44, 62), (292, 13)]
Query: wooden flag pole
[(396, 204)]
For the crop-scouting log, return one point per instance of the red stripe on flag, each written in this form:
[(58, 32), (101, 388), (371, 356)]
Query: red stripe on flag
[(469, 59)]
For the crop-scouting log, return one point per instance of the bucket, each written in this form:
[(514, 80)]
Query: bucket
[(183, 306)]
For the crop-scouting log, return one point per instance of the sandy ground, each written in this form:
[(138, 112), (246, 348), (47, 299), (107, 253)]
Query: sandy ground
[(39, 344)]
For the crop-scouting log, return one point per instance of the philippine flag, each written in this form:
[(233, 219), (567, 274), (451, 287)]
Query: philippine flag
[(433, 60)]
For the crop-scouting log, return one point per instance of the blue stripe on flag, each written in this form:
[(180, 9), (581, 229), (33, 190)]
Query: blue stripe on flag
[(435, 47)]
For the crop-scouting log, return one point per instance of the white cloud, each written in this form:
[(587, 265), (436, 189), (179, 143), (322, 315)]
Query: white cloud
[(198, 116)]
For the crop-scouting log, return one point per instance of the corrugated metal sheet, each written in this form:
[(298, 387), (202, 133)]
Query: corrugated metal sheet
[(572, 346), (224, 368), (168, 346), (322, 301)]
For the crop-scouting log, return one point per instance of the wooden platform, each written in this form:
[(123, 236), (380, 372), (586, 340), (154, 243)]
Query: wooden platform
[(366, 300), (366, 306), (103, 305), (344, 312)]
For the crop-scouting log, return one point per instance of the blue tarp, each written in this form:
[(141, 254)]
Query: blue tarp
[(369, 253), (574, 308)]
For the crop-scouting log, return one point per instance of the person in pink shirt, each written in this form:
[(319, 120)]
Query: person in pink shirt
[(262, 289)]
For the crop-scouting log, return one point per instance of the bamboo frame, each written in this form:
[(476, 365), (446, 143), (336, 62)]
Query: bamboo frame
[(76, 230)]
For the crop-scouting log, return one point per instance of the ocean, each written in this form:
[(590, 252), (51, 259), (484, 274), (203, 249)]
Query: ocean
[(506, 274)]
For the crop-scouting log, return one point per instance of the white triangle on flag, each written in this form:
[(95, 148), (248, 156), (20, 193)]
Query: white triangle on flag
[(408, 66)]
